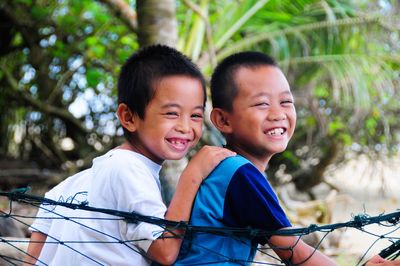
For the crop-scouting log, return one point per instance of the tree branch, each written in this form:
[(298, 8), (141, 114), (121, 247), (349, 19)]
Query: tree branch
[(18, 94), (123, 11), (306, 179)]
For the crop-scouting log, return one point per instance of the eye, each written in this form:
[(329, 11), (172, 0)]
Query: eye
[(171, 114), (262, 104), (287, 102), (197, 116)]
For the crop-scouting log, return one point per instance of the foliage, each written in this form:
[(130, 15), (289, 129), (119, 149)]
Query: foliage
[(342, 59), (58, 79), (59, 61)]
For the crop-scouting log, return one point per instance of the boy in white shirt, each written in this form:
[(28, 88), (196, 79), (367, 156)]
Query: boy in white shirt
[(161, 96)]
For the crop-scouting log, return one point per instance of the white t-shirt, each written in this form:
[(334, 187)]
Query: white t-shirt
[(119, 180)]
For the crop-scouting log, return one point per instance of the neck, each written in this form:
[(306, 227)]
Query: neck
[(259, 161), (135, 147)]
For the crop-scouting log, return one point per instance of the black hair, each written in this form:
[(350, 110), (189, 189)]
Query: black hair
[(142, 70), (223, 84)]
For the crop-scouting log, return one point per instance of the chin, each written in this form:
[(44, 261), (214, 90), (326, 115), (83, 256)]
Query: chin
[(278, 150), (176, 156)]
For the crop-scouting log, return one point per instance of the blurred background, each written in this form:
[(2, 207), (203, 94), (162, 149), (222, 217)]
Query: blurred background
[(59, 61)]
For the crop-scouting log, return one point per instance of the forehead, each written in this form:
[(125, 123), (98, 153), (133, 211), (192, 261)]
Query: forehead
[(179, 89), (261, 80)]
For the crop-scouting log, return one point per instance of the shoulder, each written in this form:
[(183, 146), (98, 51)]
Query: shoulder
[(238, 166), (115, 157), (128, 169), (235, 167), (235, 161), (231, 165), (120, 161), (73, 183)]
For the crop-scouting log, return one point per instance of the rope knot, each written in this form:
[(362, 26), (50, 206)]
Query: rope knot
[(361, 220), (311, 228)]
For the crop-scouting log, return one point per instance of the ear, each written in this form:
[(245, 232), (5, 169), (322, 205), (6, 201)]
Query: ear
[(126, 117), (221, 121)]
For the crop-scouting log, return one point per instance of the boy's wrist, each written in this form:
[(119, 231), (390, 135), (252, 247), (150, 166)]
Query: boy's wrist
[(192, 176)]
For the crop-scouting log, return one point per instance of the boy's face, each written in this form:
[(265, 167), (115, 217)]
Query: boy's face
[(263, 118), (173, 119)]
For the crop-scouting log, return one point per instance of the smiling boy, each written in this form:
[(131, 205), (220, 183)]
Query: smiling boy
[(161, 98), (253, 108), (261, 119)]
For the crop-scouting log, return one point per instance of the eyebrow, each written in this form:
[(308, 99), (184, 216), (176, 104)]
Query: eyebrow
[(289, 93), (169, 105), (286, 92)]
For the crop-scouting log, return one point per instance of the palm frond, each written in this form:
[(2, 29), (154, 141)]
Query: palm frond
[(356, 80), (239, 23), (297, 30)]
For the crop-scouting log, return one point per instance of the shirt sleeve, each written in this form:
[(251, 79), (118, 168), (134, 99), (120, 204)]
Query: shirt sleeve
[(43, 220), (251, 202), (136, 190), (48, 215), (66, 191)]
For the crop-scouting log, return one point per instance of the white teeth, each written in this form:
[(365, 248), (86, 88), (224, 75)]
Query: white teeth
[(177, 142), (276, 131)]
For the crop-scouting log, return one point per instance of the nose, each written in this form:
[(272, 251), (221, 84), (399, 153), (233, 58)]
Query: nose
[(275, 113), (183, 125)]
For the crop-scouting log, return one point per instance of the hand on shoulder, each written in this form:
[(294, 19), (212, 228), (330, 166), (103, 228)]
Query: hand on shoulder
[(206, 159)]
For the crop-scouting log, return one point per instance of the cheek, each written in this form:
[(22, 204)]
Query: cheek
[(198, 129), (293, 125), (294, 115), (158, 131), (294, 119)]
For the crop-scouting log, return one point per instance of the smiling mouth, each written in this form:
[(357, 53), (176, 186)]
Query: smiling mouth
[(279, 131), (179, 144)]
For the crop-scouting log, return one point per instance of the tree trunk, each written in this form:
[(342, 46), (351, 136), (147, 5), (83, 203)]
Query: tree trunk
[(157, 25), (305, 180), (156, 22)]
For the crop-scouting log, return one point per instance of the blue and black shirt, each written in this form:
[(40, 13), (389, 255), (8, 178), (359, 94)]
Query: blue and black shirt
[(235, 194)]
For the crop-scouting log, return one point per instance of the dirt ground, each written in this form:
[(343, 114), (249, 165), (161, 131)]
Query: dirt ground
[(372, 187)]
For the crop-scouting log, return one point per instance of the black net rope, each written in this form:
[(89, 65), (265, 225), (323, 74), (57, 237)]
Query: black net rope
[(359, 222)]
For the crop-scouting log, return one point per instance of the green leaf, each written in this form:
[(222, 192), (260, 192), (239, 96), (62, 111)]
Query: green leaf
[(310, 121), (276, 16), (97, 51), (26, 2), (370, 125), (91, 41), (93, 76), (127, 40), (335, 126), (346, 139), (39, 12), (123, 54), (290, 156), (321, 92)]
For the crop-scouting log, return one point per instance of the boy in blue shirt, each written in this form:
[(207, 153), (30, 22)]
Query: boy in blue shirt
[(253, 108)]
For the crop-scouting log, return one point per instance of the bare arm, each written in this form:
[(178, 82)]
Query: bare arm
[(166, 250), (35, 247), (293, 249), (378, 261)]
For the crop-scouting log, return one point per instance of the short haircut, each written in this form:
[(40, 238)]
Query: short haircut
[(223, 84), (141, 72)]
